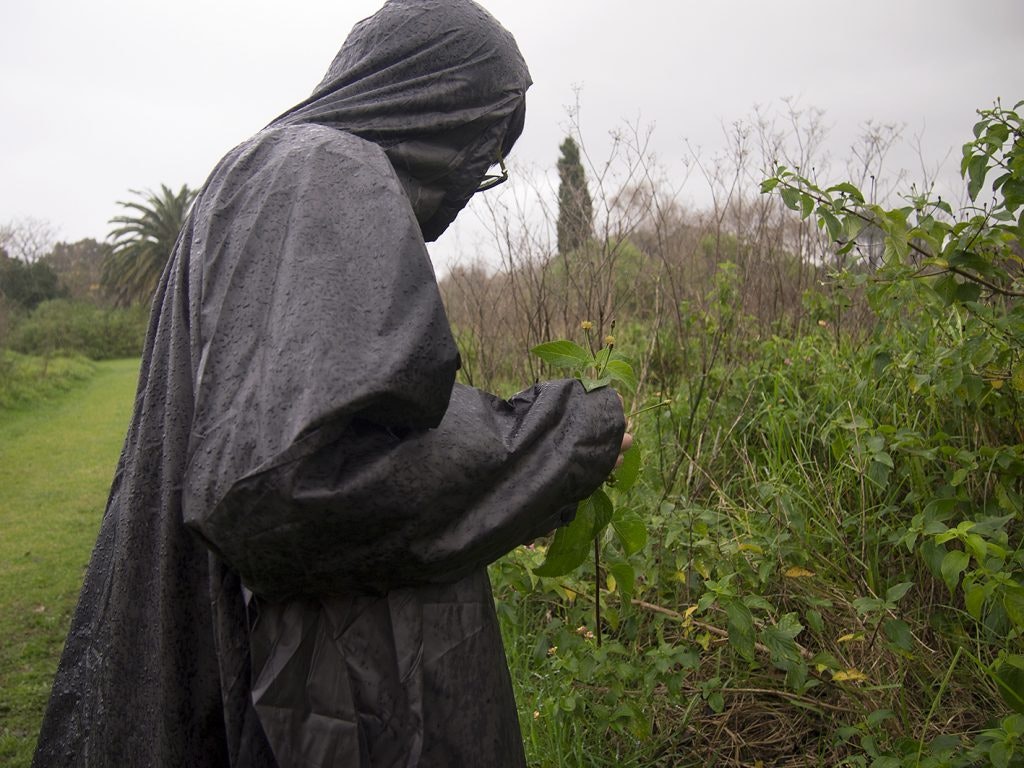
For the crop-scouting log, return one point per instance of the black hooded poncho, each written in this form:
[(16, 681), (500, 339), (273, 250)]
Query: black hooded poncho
[(291, 566)]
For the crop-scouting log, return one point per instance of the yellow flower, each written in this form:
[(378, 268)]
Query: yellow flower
[(586, 325), (552, 650), (609, 340)]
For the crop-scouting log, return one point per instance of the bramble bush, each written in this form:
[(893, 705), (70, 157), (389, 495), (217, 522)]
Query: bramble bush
[(832, 570)]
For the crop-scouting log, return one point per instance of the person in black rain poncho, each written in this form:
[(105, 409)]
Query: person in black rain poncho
[(291, 567)]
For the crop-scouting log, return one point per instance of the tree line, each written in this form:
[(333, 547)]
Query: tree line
[(87, 297), (121, 271)]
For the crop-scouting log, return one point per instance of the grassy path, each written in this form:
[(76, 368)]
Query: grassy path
[(57, 460)]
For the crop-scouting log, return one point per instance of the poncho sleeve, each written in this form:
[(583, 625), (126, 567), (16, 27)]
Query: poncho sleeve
[(330, 450)]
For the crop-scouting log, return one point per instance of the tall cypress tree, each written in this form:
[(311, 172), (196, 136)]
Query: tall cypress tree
[(575, 210)]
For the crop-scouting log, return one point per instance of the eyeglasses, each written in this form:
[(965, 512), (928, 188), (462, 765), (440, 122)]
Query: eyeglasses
[(492, 180)]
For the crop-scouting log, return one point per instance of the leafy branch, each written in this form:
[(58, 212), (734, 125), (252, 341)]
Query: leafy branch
[(572, 543), (971, 249)]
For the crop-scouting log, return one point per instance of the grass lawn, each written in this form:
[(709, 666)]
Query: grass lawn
[(57, 459)]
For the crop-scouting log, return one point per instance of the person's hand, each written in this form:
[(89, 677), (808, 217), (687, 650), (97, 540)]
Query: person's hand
[(627, 441)]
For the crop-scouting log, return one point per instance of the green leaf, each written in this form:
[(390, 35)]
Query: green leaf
[(866, 605), (806, 206), (603, 510), (974, 599), (977, 167), (883, 457), (953, 564), (947, 535), (573, 542), (970, 260), (853, 226), (879, 716), (832, 224), (815, 621), (1017, 377), (626, 475), (1013, 602), (999, 755), (878, 472), (741, 628), (946, 287), (896, 248), (780, 639), (1013, 194), (563, 354), (625, 578), (630, 529), (977, 546), (997, 133), (768, 185), (621, 371), (716, 701), (896, 592), (591, 384), (898, 633), (967, 151), (791, 198), (847, 189), (958, 478), (968, 291), (1010, 680)]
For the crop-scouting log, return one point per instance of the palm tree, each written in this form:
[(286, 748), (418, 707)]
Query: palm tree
[(142, 242)]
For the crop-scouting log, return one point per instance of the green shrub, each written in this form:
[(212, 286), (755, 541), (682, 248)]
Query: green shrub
[(26, 380), (67, 327)]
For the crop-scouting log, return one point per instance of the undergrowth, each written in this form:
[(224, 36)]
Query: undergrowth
[(833, 571), (778, 613)]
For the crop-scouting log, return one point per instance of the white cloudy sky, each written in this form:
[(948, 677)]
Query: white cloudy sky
[(100, 97)]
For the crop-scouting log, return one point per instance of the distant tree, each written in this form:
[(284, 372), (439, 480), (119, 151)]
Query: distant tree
[(26, 285), (79, 266), (142, 242), (27, 239), (575, 209)]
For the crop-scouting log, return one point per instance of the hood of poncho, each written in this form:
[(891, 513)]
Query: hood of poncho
[(440, 86)]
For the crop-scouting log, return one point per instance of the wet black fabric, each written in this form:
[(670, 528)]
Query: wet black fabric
[(291, 566)]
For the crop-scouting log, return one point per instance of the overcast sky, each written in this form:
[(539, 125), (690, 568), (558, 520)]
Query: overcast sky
[(105, 96)]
